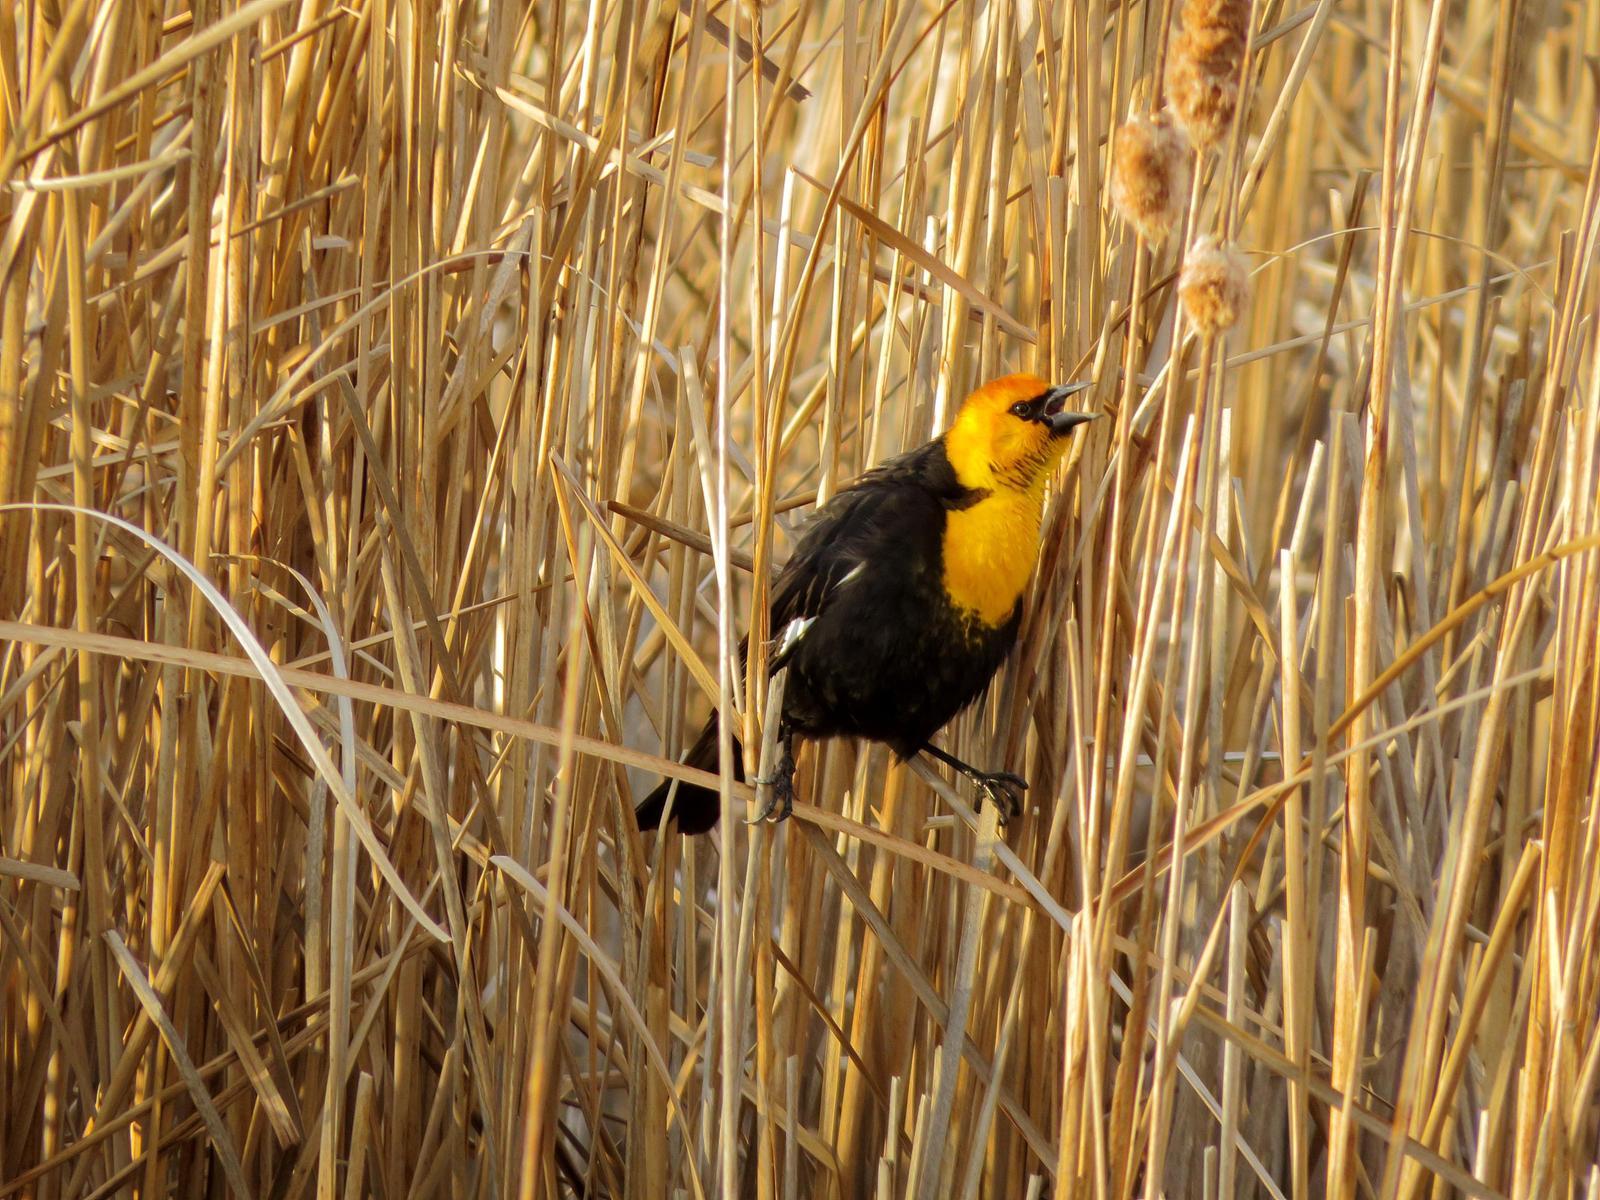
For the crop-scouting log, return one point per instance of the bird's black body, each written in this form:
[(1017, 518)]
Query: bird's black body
[(873, 645), (886, 656)]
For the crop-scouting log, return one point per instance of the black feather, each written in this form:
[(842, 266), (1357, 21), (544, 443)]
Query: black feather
[(886, 655)]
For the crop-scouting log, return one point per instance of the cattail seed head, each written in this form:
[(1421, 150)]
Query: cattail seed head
[(1203, 67), (1214, 287), (1230, 15), (1150, 174)]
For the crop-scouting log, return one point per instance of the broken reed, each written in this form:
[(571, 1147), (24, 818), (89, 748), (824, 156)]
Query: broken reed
[(479, 358)]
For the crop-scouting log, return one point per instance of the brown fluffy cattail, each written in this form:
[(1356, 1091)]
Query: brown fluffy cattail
[(1150, 174), (1214, 287), (1203, 67)]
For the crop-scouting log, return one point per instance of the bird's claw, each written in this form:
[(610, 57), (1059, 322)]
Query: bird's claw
[(780, 793), (1004, 790)]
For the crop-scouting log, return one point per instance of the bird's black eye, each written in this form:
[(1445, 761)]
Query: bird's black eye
[(1020, 409)]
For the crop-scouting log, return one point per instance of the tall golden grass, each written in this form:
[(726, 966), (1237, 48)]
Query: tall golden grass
[(401, 405)]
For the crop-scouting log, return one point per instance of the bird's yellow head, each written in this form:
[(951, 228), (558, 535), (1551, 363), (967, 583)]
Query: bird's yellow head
[(1010, 433), (1005, 440)]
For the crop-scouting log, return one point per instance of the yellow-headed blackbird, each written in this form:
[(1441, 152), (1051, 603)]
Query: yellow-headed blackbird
[(905, 593)]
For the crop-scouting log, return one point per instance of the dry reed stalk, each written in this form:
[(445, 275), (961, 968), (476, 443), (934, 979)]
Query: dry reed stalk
[(403, 409)]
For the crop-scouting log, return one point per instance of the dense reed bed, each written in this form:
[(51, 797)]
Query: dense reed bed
[(402, 411)]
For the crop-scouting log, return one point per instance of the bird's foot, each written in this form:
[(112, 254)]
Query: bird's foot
[(1003, 790), (779, 787)]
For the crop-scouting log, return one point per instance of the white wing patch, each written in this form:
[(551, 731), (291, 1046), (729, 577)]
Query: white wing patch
[(791, 635)]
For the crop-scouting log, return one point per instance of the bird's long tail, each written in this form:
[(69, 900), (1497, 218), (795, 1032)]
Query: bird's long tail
[(696, 809)]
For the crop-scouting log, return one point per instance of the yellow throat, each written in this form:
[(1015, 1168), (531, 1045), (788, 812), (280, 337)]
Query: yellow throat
[(990, 550)]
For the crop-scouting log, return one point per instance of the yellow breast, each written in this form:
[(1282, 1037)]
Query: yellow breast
[(989, 553)]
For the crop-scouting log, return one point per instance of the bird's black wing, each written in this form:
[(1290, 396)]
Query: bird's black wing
[(848, 534), (885, 525), (863, 528)]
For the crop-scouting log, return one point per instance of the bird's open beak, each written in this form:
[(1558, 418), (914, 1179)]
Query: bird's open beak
[(1056, 415)]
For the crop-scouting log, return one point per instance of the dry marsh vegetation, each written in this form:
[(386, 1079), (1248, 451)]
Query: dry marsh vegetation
[(402, 410)]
